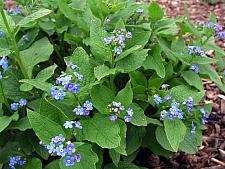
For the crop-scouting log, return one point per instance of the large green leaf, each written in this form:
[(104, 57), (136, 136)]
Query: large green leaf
[(125, 96), (102, 131), (175, 131), (188, 145), (6, 120), (138, 78), (193, 79), (101, 97), (22, 124), (100, 50), (44, 128), (10, 22), (155, 12), (29, 83), (114, 156), (53, 165), (103, 71), (122, 165), (33, 17), (88, 158), (154, 61), (81, 59), (138, 118), (123, 130), (133, 61), (34, 163), (40, 51)]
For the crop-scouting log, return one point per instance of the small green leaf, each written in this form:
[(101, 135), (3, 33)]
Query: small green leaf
[(22, 124), (103, 71), (33, 17), (138, 118), (34, 163), (153, 121), (6, 120), (155, 12), (114, 156), (53, 165), (193, 79), (123, 130), (44, 86), (188, 145), (175, 132), (138, 78)]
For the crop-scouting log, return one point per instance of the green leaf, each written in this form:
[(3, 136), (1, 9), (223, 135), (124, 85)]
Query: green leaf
[(138, 78), (22, 124), (175, 132), (44, 128), (88, 157), (114, 156), (6, 120), (40, 51), (53, 165), (203, 60), (102, 131), (154, 61), (101, 97), (133, 61), (162, 138), (120, 25), (188, 145), (10, 22), (125, 96), (155, 12), (101, 51), (122, 165), (193, 79), (139, 118), (123, 130), (128, 52), (34, 163), (182, 92), (33, 17), (44, 86), (81, 59), (153, 121), (103, 71)]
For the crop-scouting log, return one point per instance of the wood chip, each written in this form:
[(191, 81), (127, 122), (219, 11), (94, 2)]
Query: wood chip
[(218, 161)]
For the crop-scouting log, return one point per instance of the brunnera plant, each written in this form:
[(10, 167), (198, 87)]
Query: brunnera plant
[(88, 84)]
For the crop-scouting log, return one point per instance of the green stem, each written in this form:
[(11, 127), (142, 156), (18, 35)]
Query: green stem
[(15, 47), (4, 97), (112, 77)]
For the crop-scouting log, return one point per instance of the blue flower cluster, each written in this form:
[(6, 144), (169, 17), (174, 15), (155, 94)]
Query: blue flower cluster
[(68, 82), (205, 115), (158, 100), (118, 39), (3, 65), (173, 113), (69, 124), (85, 110), (217, 27), (15, 106), (197, 50), (117, 108), (195, 68), (16, 160), (193, 128), (58, 148), (189, 103)]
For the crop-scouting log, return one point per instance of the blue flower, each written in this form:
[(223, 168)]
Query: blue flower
[(164, 86), (171, 117), (79, 76), (107, 20), (70, 148), (163, 114), (4, 63), (194, 68), (59, 139), (63, 79), (61, 151), (23, 102), (221, 35), (113, 117), (16, 160), (193, 128), (51, 148), (88, 105), (77, 158), (157, 99), (205, 115), (118, 50), (14, 106), (208, 24), (57, 94), (218, 28), (127, 118), (196, 50), (140, 11), (167, 97), (78, 124), (68, 124), (130, 112), (31, 5), (2, 34), (189, 103), (69, 161), (107, 40), (129, 35), (79, 110), (74, 88)]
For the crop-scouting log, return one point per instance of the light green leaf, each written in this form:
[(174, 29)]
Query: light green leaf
[(22, 124), (114, 156), (153, 121), (100, 50), (125, 96), (103, 71), (123, 130), (133, 61), (127, 52), (193, 79), (40, 51), (139, 118), (44, 86), (155, 12), (34, 163), (44, 128), (188, 145), (101, 97), (175, 132), (138, 78), (154, 61), (6, 120), (10, 22), (88, 157), (122, 165), (33, 17), (102, 131)]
